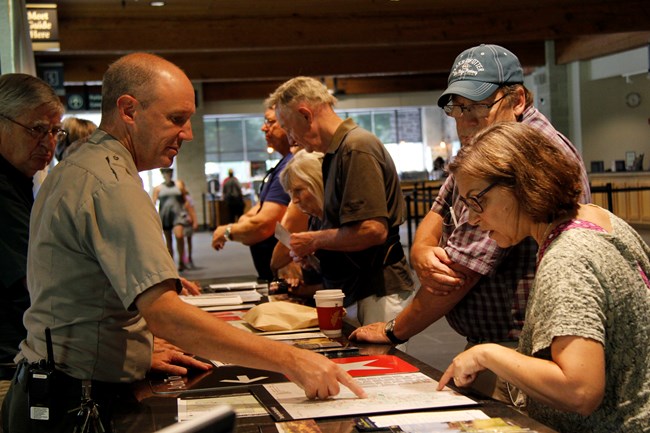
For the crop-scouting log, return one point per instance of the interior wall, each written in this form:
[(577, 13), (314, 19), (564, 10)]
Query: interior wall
[(609, 126)]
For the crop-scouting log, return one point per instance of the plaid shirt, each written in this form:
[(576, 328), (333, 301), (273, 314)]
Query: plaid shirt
[(494, 309)]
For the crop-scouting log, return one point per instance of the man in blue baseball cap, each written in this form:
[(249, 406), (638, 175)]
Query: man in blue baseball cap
[(478, 72), (480, 288)]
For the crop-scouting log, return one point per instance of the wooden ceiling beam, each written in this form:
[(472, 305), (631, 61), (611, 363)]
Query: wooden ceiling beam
[(590, 47), (331, 28), (268, 65), (248, 48)]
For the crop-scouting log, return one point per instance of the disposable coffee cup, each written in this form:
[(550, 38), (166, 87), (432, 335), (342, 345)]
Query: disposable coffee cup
[(329, 307)]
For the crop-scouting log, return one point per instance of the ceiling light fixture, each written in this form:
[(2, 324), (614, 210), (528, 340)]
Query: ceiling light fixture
[(157, 4)]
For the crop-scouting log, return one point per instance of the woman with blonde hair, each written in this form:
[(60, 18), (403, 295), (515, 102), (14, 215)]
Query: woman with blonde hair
[(302, 179)]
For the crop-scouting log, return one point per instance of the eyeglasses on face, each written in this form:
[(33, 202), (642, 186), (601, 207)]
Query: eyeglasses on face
[(473, 201), (40, 132), (476, 110), (270, 122)]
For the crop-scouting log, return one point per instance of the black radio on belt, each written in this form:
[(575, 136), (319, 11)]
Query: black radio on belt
[(40, 383)]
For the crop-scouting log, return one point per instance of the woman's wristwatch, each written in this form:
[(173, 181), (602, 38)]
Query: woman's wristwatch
[(227, 234), (388, 330)]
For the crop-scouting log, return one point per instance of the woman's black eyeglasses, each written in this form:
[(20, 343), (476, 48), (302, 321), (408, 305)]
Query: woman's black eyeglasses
[(473, 201)]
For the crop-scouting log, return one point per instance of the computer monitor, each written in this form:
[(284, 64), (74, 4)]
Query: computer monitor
[(221, 419)]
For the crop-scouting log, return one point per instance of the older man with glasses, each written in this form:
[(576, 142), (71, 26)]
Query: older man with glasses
[(30, 125), (480, 288), (256, 227)]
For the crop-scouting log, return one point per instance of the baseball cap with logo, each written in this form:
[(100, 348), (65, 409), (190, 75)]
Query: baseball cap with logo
[(479, 71)]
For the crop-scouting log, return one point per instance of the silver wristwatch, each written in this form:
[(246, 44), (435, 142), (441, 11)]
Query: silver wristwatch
[(227, 234)]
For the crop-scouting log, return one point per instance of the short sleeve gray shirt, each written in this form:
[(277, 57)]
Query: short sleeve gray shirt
[(95, 245), (588, 285)]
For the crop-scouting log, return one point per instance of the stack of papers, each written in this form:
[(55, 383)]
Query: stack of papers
[(212, 300), (228, 287), (251, 295), (215, 301)]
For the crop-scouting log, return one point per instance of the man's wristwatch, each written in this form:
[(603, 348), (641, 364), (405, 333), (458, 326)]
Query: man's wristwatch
[(388, 330), (226, 234)]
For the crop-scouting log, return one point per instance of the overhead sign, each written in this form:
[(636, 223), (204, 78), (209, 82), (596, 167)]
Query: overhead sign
[(43, 26), (81, 97), (52, 74)]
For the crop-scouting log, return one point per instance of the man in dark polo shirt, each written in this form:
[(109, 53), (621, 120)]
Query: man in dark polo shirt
[(30, 123), (358, 245)]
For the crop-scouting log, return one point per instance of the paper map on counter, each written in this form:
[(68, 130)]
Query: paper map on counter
[(386, 393)]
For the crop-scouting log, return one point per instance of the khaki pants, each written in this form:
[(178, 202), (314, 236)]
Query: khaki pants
[(373, 308)]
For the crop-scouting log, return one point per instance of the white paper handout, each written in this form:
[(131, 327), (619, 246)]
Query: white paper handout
[(283, 235), (386, 393)]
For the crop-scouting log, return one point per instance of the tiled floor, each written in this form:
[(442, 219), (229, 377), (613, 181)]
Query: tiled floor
[(436, 345)]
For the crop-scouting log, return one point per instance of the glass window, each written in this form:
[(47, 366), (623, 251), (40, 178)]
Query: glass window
[(385, 127), (237, 141), (211, 148), (230, 140), (255, 141), (409, 126), (364, 120)]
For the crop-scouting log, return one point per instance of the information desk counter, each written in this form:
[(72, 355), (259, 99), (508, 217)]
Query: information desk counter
[(157, 398), (155, 411)]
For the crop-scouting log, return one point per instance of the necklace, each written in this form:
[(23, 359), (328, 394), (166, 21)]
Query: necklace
[(542, 243), (545, 241), (547, 231), (553, 224)]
